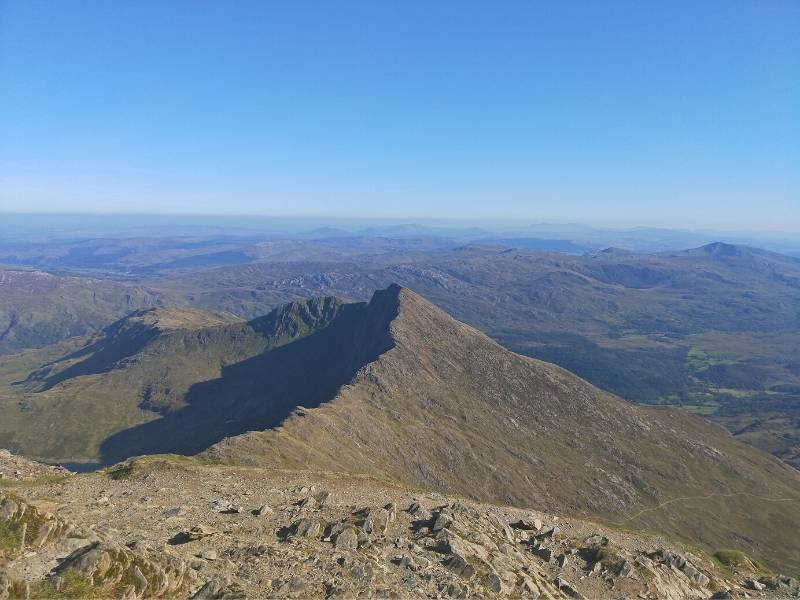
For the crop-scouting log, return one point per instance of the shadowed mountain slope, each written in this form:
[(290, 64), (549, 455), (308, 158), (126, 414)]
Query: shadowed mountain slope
[(151, 364), (260, 391)]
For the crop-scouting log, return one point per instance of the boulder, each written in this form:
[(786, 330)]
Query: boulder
[(494, 583), (753, 584), (309, 528), (262, 510), (347, 539), (459, 565)]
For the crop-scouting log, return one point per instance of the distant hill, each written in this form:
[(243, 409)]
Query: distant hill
[(37, 308), (397, 389)]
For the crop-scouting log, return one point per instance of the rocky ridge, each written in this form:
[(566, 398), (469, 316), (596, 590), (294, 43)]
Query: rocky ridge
[(19, 468), (167, 528)]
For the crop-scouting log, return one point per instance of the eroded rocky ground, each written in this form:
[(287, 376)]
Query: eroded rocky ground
[(17, 468), (166, 528)]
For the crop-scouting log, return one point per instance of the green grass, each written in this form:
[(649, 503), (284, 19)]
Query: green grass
[(701, 409), (120, 471), (9, 540), (68, 585), (29, 483), (729, 560), (11, 531)]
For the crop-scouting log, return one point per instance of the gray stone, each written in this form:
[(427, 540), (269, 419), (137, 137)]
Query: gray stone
[(549, 532), (309, 503), (347, 539), (213, 588), (530, 587), (457, 590), (306, 528), (458, 565), (443, 520), (262, 510), (544, 553), (494, 583), (626, 570), (417, 512), (567, 588), (377, 521), (752, 584)]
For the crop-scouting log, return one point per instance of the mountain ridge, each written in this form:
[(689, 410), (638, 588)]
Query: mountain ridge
[(402, 391), (436, 436)]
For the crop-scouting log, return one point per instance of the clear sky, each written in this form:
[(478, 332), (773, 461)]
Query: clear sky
[(613, 112)]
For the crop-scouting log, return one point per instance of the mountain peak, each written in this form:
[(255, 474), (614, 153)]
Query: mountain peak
[(299, 317), (441, 406), (174, 317), (722, 249)]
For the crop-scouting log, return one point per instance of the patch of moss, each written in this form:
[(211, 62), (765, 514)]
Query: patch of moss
[(9, 542), (40, 481), (730, 558), (11, 531), (70, 584), (120, 471), (604, 554)]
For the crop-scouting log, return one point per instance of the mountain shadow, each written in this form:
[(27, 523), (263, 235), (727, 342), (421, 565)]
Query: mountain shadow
[(261, 391), (120, 344)]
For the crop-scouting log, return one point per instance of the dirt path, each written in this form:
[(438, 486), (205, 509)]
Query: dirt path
[(708, 497)]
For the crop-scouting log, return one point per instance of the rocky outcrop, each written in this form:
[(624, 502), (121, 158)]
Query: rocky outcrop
[(127, 572), (32, 541), (19, 468), (23, 528), (358, 538)]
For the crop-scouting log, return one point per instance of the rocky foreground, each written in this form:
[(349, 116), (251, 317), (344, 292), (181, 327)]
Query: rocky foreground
[(157, 528), (17, 468)]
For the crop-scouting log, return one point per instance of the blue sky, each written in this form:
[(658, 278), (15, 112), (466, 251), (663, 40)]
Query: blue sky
[(668, 113)]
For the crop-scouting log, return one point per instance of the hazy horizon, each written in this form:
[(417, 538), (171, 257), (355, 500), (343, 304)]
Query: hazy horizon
[(681, 115), (444, 222)]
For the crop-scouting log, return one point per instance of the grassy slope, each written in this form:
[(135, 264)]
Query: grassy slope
[(37, 309), (150, 364), (448, 409)]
